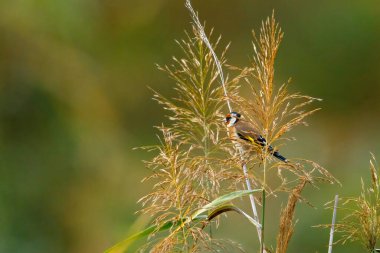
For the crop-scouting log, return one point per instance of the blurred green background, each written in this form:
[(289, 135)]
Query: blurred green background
[(74, 102)]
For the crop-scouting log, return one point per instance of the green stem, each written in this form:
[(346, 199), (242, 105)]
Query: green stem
[(263, 222), (264, 199)]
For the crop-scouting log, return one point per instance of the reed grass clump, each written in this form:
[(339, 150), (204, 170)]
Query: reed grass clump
[(197, 171), (195, 175), (361, 214), (274, 112), (194, 157)]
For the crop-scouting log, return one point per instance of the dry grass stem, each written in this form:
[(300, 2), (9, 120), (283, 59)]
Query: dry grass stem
[(332, 229)]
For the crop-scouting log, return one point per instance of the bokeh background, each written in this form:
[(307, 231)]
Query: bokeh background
[(74, 102)]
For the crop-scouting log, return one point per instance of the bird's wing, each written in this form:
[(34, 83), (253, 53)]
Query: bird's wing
[(247, 132)]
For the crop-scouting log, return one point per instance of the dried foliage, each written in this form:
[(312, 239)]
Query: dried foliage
[(195, 160), (286, 220), (196, 112), (362, 220), (273, 112)]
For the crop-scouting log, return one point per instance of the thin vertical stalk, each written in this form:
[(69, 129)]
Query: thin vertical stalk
[(203, 36), (251, 198), (331, 241), (263, 223), (264, 202)]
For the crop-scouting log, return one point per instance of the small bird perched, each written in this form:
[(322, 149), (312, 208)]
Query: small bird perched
[(240, 129)]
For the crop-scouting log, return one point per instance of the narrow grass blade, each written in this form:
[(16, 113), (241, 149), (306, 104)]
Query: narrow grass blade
[(123, 245), (227, 208), (223, 200)]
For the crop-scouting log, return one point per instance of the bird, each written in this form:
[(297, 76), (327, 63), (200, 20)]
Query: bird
[(240, 129)]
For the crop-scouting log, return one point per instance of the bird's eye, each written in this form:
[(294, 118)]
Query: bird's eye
[(228, 119)]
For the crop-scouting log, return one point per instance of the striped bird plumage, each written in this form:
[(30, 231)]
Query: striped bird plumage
[(240, 129)]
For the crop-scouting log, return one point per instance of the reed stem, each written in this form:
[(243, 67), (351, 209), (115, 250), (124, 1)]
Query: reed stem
[(263, 222), (203, 36), (331, 241)]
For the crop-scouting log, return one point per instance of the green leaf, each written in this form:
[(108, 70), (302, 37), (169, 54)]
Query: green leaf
[(123, 245), (226, 208), (214, 207), (223, 199)]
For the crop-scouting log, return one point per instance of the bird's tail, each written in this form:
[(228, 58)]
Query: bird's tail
[(279, 156), (276, 154)]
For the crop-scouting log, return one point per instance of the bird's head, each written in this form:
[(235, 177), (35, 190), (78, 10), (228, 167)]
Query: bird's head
[(232, 118)]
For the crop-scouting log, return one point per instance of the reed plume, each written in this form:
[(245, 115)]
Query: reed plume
[(274, 111), (194, 156), (361, 215)]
